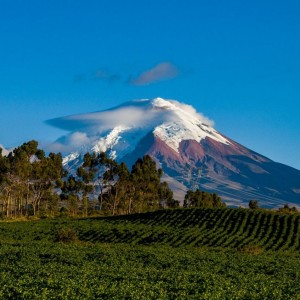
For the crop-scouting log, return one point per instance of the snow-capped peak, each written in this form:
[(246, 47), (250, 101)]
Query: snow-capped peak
[(118, 130), (187, 125)]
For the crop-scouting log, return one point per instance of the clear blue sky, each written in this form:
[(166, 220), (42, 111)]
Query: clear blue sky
[(237, 62)]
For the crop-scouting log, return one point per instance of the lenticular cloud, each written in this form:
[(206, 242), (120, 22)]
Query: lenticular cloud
[(141, 115)]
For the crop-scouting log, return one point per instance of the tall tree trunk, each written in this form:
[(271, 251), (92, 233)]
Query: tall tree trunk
[(27, 199), (8, 208), (101, 198), (115, 202)]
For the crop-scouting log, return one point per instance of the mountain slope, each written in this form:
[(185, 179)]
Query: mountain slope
[(185, 144)]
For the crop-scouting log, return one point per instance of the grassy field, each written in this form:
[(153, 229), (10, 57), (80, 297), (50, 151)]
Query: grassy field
[(171, 254)]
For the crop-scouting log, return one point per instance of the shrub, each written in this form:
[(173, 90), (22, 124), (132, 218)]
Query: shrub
[(253, 204), (66, 235)]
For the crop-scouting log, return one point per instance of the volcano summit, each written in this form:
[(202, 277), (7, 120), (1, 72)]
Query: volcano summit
[(187, 147)]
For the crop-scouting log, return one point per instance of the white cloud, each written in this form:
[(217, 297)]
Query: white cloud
[(140, 116), (68, 143), (162, 71), (191, 110)]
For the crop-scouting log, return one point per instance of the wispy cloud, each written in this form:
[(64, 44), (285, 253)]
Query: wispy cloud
[(99, 74), (106, 75), (161, 71)]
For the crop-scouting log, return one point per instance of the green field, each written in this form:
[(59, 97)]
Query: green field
[(167, 254)]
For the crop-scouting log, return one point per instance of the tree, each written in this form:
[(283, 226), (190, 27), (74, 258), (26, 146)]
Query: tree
[(97, 175), (203, 199), (46, 172), (253, 204), (166, 196), (28, 176), (32, 182), (137, 191), (146, 179), (122, 192), (287, 209)]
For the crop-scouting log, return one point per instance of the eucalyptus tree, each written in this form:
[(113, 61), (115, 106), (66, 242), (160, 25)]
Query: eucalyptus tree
[(27, 177), (150, 192), (98, 175)]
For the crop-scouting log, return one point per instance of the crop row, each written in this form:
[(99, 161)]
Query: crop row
[(227, 228)]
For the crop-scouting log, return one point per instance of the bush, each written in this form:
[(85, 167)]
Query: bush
[(66, 235), (253, 204)]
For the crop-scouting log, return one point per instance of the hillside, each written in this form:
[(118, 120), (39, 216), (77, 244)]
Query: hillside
[(171, 254), (225, 228)]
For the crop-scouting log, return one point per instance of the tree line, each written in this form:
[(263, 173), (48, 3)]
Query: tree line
[(33, 183), (28, 180)]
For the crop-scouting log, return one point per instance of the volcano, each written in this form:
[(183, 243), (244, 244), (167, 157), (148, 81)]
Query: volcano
[(185, 145)]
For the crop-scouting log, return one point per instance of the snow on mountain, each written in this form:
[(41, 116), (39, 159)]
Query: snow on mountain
[(118, 130), (4, 151), (187, 125)]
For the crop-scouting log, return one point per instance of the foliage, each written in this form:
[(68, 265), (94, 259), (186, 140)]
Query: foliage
[(100, 267), (287, 209), (30, 183), (27, 179), (120, 191), (66, 235), (202, 199), (215, 228), (253, 204)]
